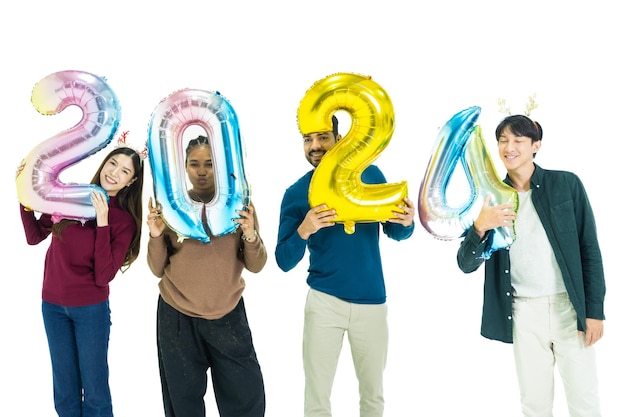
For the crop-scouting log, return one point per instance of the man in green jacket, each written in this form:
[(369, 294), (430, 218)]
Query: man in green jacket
[(545, 292)]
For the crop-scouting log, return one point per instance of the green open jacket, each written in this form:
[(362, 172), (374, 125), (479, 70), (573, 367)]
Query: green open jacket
[(565, 212)]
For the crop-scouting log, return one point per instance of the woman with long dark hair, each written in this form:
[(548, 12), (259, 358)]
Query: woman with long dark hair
[(80, 262)]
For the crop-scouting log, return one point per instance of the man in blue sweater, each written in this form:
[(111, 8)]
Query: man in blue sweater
[(544, 293), (347, 288)]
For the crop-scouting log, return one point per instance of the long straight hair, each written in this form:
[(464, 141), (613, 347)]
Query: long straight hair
[(128, 198)]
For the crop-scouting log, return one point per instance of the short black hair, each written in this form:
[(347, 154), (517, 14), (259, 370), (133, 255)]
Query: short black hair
[(520, 125), (335, 126)]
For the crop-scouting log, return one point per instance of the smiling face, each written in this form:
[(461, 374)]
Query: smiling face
[(199, 168), (317, 144), (517, 152), (117, 172)]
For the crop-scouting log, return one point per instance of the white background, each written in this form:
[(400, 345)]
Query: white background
[(433, 58)]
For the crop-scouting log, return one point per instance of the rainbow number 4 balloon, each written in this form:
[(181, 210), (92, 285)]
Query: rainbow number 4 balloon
[(38, 185), (461, 140), (337, 181), (217, 117)]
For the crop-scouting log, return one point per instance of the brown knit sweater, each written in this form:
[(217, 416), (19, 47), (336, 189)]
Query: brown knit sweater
[(203, 279)]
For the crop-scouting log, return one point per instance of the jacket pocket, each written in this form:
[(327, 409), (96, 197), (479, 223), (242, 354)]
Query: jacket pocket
[(564, 217)]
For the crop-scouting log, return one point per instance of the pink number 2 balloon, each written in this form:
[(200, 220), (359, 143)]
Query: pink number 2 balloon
[(38, 185)]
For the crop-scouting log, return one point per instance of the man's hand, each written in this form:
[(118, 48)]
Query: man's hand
[(317, 218), (492, 217), (595, 331), (405, 215)]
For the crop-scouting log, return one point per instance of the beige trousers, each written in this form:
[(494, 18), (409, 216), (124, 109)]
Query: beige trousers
[(545, 334), (326, 320)]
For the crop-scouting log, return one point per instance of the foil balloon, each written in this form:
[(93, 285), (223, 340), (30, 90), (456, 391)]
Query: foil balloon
[(38, 185), (212, 112), (336, 180), (460, 140)]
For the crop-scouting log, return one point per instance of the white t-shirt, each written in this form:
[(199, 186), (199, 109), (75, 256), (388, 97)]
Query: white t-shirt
[(534, 270)]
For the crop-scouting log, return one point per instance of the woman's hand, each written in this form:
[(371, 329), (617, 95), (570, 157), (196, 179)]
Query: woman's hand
[(156, 225), (100, 203), (246, 222)]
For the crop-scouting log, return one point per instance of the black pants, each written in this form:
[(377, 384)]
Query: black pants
[(189, 346)]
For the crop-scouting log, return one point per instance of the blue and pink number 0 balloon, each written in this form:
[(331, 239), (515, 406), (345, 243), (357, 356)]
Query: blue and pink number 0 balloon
[(217, 117), (336, 181)]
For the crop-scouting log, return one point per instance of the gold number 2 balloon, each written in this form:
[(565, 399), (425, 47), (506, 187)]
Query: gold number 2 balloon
[(337, 181)]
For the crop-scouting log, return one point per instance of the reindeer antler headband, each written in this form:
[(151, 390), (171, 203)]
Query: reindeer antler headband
[(121, 142), (530, 106)]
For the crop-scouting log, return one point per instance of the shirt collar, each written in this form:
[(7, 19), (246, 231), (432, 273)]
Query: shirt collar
[(535, 180)]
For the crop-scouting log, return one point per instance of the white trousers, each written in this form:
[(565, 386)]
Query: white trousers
[(545, 334), (326, 319)]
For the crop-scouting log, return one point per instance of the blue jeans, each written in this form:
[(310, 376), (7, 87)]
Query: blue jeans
[(78, 338)]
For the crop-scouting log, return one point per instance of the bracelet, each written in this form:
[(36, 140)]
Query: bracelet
[(249, 239)]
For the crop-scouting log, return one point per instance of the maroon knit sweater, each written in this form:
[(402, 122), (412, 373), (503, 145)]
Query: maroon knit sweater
[(80, 264)]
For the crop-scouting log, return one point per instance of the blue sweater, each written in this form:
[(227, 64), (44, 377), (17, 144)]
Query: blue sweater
[(347, 266)]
